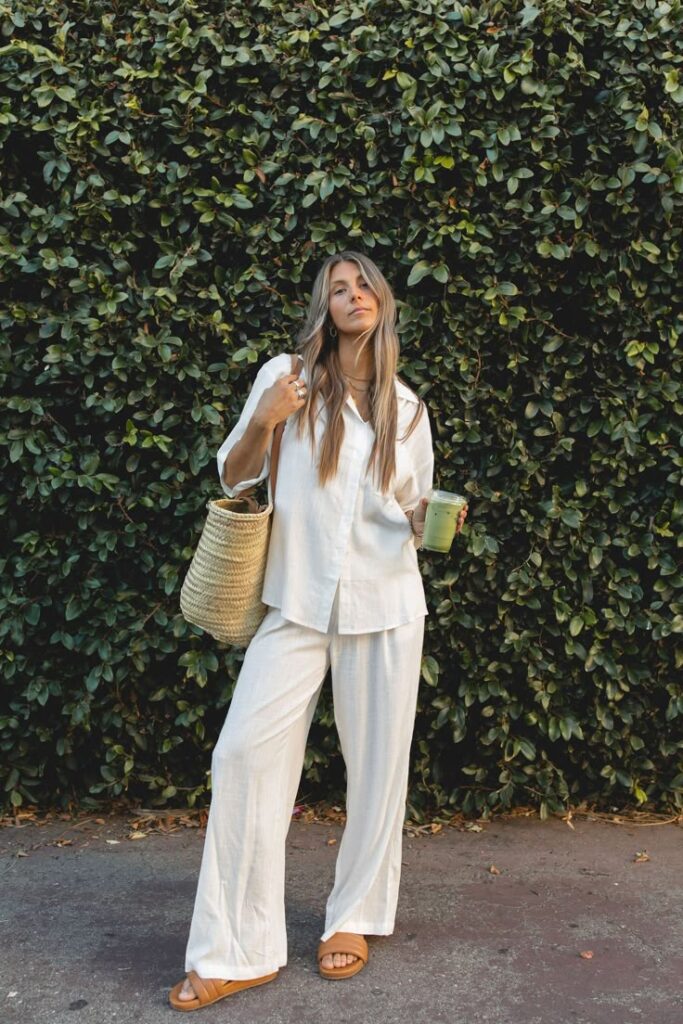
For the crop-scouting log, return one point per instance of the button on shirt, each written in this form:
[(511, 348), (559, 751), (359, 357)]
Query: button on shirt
[(346, 539)]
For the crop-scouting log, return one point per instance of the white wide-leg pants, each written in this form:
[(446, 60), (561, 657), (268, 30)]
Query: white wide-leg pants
[(238, 925)]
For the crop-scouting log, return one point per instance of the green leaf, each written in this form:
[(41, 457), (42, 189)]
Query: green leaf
[(419, 270), (576, 625), (571, 517), (430, 670)]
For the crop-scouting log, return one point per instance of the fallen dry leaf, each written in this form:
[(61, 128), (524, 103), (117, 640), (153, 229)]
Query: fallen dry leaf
[(331, 842), (641, 855), (137, 835), (112, 842), (587, 954), (494, 870), (431, 828)]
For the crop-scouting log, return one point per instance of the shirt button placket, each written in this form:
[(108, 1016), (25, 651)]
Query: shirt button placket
[(350, 493)]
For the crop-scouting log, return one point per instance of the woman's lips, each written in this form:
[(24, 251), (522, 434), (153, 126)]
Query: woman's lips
[(356, 311)]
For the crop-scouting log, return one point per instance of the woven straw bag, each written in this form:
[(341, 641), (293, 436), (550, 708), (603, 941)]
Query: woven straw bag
[(222, 589)]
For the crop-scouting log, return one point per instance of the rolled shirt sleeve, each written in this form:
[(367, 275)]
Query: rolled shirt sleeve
[(265, 377)]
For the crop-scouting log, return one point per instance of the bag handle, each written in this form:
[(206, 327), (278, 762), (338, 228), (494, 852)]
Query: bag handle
[(297, 366)]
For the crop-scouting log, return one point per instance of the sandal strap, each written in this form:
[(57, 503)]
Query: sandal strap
[(205, 988), (344, 942)]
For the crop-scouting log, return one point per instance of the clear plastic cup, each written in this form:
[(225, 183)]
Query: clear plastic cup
[(441, 520)]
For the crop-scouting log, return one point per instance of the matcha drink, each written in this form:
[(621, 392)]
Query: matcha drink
[(441, 520)]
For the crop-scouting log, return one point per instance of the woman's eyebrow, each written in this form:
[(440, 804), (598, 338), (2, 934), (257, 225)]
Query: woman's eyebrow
[(343, 280)]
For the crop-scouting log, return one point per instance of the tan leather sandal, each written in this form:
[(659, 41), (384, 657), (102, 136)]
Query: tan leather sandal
[(210, 990), (343, 942)]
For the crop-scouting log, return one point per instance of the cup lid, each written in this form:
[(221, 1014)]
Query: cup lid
[(448, 497)]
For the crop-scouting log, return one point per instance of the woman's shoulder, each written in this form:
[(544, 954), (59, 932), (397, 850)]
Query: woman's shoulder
[(278, 365), (413, 416), (404, 392)]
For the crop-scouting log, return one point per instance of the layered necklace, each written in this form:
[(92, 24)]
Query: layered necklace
[(350, 379)]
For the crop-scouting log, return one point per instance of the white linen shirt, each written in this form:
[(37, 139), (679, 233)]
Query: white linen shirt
[(346, 534)]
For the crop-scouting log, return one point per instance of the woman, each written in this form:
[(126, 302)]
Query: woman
[(344, 592)]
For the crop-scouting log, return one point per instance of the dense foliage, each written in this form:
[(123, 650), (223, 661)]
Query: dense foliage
[(173, 174)]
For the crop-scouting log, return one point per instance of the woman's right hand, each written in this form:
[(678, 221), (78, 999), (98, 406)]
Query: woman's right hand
[(280, 400)]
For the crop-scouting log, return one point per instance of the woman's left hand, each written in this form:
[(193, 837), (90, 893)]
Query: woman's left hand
[(420, 514)]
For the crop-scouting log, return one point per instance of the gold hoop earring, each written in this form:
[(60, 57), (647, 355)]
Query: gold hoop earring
[(332, 329)]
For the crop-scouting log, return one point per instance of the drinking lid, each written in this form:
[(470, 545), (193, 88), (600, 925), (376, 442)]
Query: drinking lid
[(448, 497)]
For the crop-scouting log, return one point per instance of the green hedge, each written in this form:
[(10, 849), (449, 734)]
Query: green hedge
[(173, 175)]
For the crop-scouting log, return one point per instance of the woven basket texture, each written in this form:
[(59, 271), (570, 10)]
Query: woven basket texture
[(222, 589)]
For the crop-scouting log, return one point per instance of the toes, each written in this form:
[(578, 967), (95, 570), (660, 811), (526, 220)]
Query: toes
[(338, 959)]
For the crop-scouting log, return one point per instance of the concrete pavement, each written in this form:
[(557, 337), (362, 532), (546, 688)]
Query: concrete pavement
[(94, 931)]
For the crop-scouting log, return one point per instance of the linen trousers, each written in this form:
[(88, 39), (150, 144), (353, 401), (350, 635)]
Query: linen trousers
[(238, 926)]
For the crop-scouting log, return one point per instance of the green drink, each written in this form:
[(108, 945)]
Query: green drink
[(441, 520)]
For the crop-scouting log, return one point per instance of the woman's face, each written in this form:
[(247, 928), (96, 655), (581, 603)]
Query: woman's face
[(352, 304)]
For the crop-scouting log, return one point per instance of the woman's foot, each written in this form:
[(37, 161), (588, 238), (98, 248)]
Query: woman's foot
[(342, 955), (193, 992), (187, 992)]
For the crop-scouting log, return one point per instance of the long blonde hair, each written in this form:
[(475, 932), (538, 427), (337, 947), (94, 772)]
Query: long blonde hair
[(320, 353)]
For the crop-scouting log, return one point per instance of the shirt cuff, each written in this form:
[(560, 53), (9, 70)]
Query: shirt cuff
[(240, 488), (242, 485)]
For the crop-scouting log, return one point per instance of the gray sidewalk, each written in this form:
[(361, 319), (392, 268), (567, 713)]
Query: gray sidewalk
[(95, 931)]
